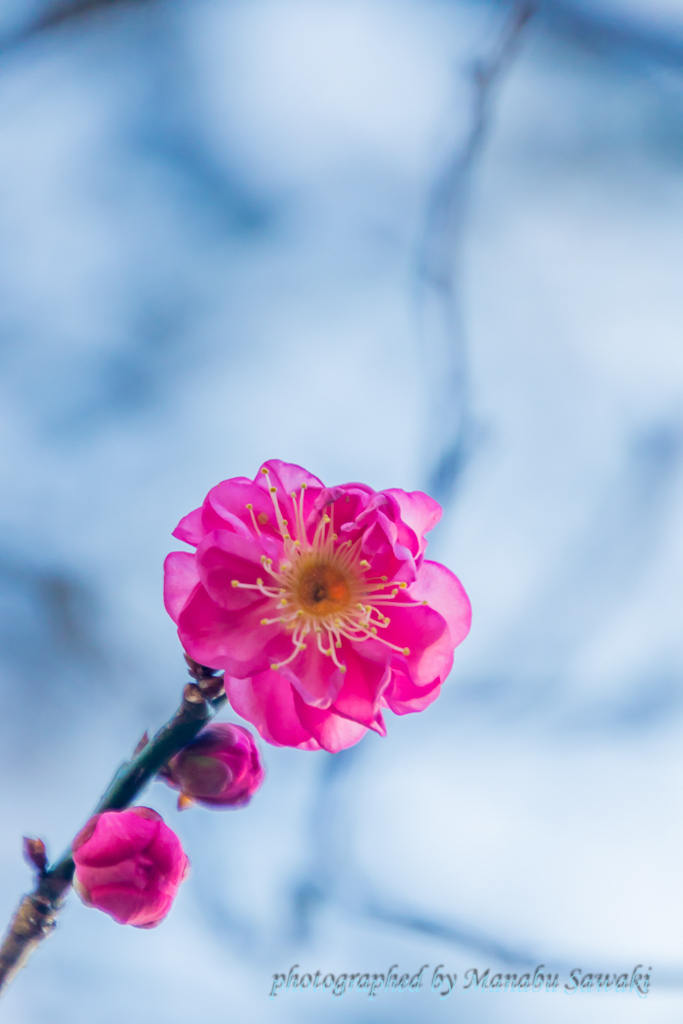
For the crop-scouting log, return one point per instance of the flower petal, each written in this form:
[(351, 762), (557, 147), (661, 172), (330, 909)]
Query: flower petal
[(364, 683), (431, 647), (223, 557), (226, 505), (332, 732), (114, 838), (231, 640), (314, 675), (418, 511), (420, 629), (180, 579), (403, 697), (344, 504), (267, 701), (190, 528), (287, 477), (381, 546), (446, 594)]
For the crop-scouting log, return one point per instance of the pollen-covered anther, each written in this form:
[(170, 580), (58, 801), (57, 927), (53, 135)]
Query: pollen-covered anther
[(250, 509)]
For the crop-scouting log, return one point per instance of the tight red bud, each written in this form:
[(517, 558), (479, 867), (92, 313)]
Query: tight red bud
[(220, 768), (130, 865)]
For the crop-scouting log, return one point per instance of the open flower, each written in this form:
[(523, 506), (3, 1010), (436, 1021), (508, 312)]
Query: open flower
[(317, 603), (220, 768), (130, 865)]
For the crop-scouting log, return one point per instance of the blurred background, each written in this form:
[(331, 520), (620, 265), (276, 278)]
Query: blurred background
[(429, 244)]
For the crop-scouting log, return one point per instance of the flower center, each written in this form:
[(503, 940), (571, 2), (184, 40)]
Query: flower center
[(323, 589)]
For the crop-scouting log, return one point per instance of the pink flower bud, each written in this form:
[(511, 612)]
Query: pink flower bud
[(220, 768), (130, 865)]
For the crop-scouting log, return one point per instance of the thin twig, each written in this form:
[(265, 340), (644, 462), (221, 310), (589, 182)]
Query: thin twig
[(438, 260), (36, 916)]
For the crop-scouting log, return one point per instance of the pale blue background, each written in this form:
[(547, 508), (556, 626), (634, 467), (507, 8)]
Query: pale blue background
[(218, 222)]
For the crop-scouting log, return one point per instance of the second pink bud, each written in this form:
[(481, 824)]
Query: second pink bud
[(220, 768)]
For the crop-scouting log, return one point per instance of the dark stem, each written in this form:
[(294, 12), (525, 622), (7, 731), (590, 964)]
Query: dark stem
[(36, 915)]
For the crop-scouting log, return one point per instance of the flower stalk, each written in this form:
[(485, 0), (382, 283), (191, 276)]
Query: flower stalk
[(36, 915)]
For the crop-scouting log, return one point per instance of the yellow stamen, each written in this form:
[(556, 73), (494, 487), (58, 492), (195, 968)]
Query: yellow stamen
[(320, 586)]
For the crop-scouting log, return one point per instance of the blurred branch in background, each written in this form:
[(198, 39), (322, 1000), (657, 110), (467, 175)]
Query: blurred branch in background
[(333, 876), (593, 24), (171, 130), (444, 347), (607, 560), (533, 666), (163, 156), (61, 13), (60, 621)]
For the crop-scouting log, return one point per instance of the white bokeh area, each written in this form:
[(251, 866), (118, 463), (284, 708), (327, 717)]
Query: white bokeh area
[(214, 217)]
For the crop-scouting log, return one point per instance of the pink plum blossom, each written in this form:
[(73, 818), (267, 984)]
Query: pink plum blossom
[(318, 603), (130, 865), (220, 768)]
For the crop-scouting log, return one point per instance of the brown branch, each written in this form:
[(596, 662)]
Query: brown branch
[(36, 916)]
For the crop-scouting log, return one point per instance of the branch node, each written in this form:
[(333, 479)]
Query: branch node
[(213, 687), (192, 694), (198, 671)]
